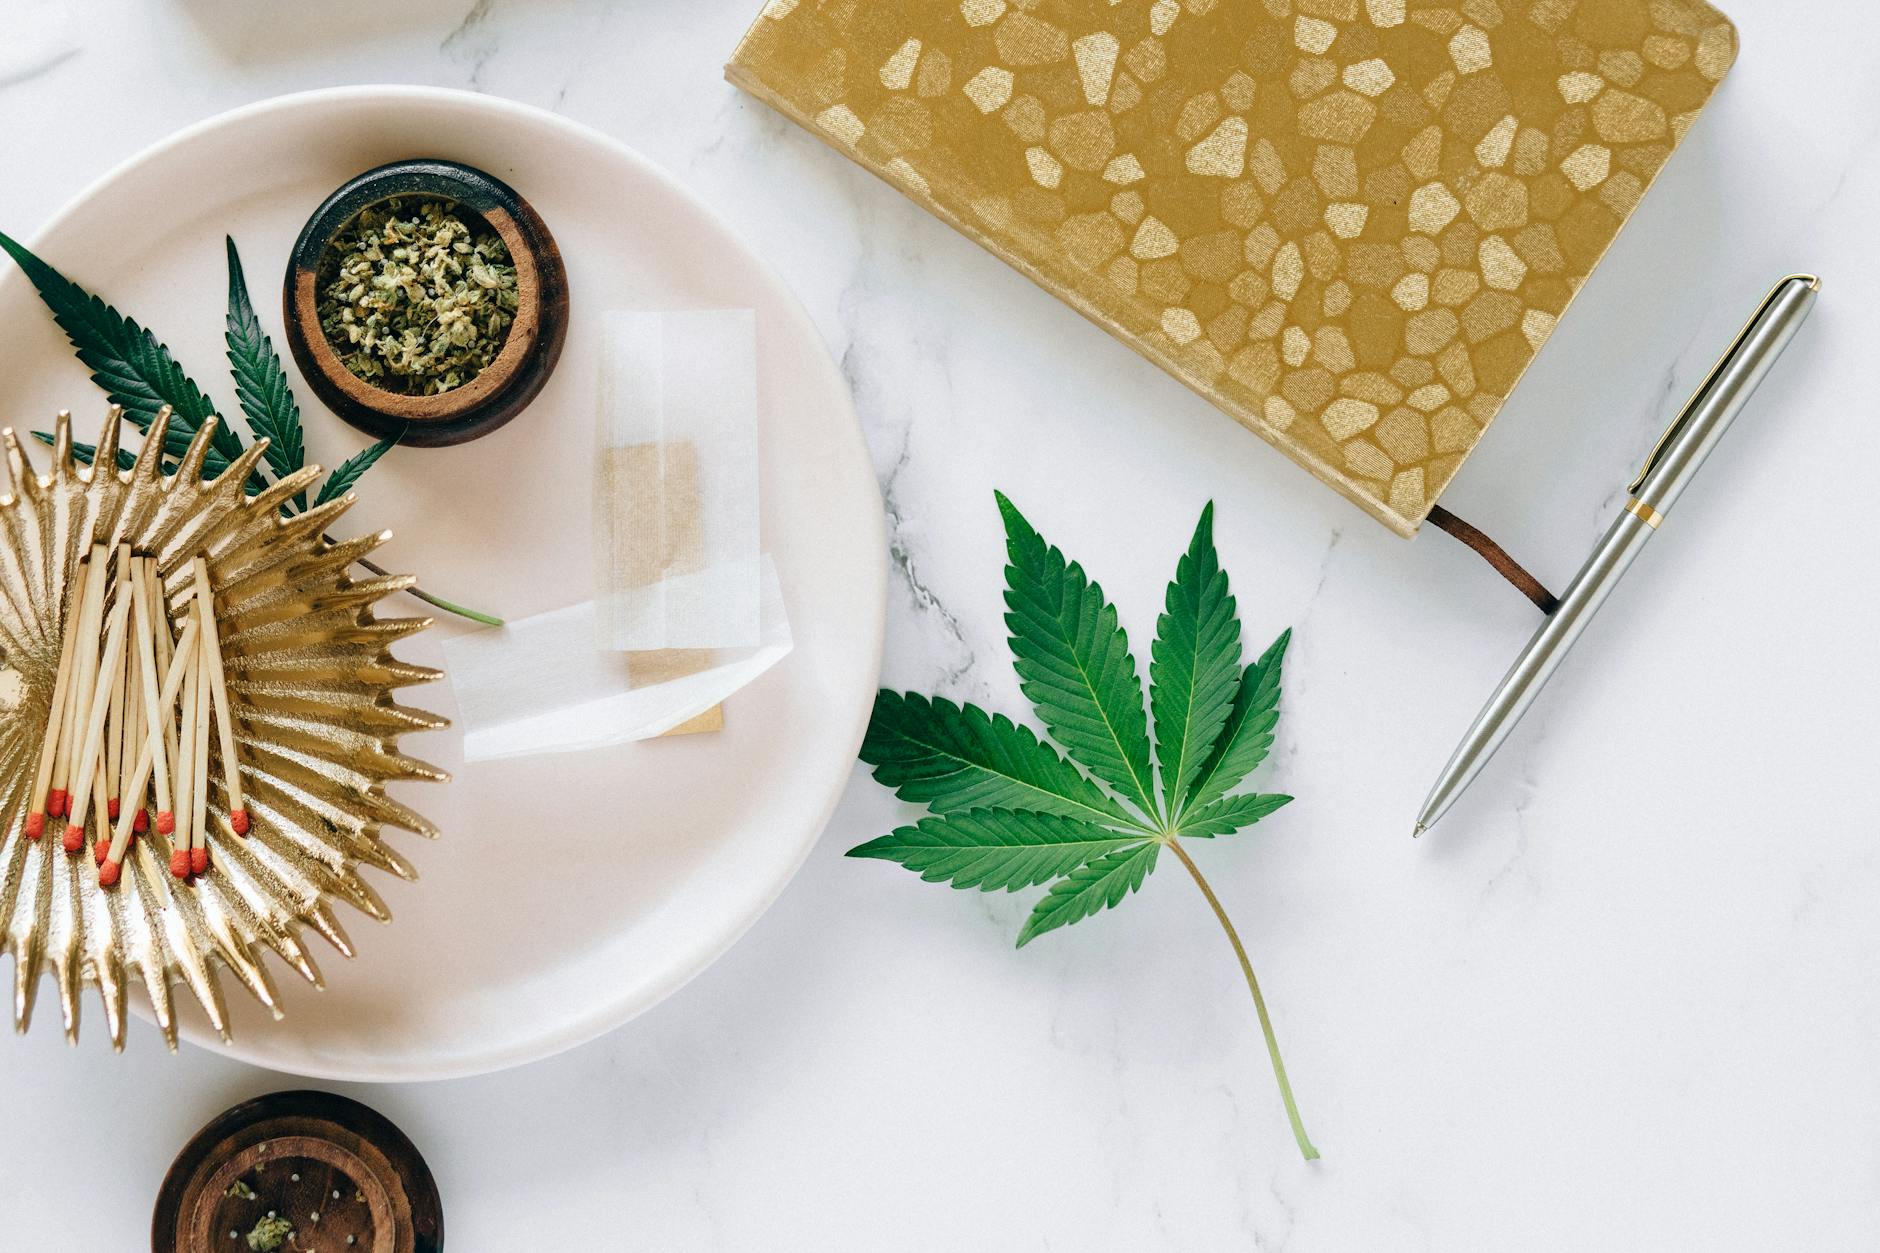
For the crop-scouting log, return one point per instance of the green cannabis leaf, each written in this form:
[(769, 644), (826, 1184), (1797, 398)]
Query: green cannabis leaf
[(1074, 663), (260, 382), (956, 758), (341, 480), (135, 369), (137, 372), (1010, 812)]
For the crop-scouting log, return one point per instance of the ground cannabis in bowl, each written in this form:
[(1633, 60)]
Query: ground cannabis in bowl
[(417, 295), (270, 1234)]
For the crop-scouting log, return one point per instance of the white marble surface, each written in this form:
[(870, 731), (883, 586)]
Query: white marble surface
[(1624, 998)]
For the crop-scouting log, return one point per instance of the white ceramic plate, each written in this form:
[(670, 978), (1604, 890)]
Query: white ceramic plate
[(568, 893)]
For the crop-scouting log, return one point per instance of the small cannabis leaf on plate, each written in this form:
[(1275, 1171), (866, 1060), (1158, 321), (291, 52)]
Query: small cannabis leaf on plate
[(260, 383), (1011, 812), (138, 373)]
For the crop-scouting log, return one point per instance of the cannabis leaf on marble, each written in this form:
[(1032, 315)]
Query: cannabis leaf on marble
[(139, 374), (1009, 811)]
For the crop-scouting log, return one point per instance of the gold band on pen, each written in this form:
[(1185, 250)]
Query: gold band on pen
[(1644, 512)]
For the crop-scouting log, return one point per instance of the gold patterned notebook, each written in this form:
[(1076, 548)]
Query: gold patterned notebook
[(1350, 224)]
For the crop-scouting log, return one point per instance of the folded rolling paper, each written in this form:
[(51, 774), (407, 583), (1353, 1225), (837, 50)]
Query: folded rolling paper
[(685, 609), (540, 685), (675, 500)]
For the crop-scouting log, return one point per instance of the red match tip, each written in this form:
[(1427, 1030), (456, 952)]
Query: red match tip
[(55, 803), (239, 821), (141, 823), (100, 851), (74, 838), (179, 863), (108, 874), (166, 822), (199, 861), (35, 826), (112, 807)]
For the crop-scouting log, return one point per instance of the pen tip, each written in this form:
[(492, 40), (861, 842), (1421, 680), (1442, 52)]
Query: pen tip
[(1418, 833)]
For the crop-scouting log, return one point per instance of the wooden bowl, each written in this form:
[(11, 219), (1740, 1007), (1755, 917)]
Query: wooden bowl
[(507, 384), (294, 1151)]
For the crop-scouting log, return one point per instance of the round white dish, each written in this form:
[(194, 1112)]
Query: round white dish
[(568, 893)]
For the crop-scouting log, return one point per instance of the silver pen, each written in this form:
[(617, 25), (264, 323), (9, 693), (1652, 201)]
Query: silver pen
[(1667, 472)]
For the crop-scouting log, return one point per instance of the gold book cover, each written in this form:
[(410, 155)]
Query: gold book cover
[(1350, 224)]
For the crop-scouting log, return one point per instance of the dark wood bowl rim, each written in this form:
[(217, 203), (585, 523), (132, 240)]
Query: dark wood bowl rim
[(290, 1108), (483, 194)]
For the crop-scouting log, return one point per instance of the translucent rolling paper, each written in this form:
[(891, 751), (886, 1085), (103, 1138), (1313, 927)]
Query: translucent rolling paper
[(675, 500), (541, 686)]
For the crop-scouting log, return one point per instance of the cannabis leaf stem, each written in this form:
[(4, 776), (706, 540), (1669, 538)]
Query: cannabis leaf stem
[(1259, 1002), (475, 615)]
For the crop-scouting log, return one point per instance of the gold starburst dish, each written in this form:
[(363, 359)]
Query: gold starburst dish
[(292, 787)]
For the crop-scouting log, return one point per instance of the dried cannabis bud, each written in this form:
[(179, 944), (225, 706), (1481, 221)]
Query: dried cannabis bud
[(414, 299), (241, 1190), (270, 1235)]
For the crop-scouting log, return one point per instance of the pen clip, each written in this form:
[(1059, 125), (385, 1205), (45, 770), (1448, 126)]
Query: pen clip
[(1690, 406), (1664, 441)]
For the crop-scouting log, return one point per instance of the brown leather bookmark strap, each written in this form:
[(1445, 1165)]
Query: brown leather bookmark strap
[(1497, 556)]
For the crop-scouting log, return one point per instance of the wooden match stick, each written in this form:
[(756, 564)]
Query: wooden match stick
[(84, 676), (91, 606), (91, 754), (218, 686), (55, 717), (166, 648), (185, 787), (150, 761), (134, 702), (98, 802), (133, 719), (114, 762), (140, 712), (160, 626), (199, 803), (58, 799), (159, 615), (173, 675)]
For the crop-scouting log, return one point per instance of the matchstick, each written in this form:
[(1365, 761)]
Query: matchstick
[(98, 799), (84, 674), (91, 606), (140, 714), (166, 648), (131, 737), (91, 753), (114, 712), (185, 786), (144, 607), (55, 717), (58, 799), (160, 627), (218, 686), (115, 763), (134, 703), (199, 803), (150, 761)]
